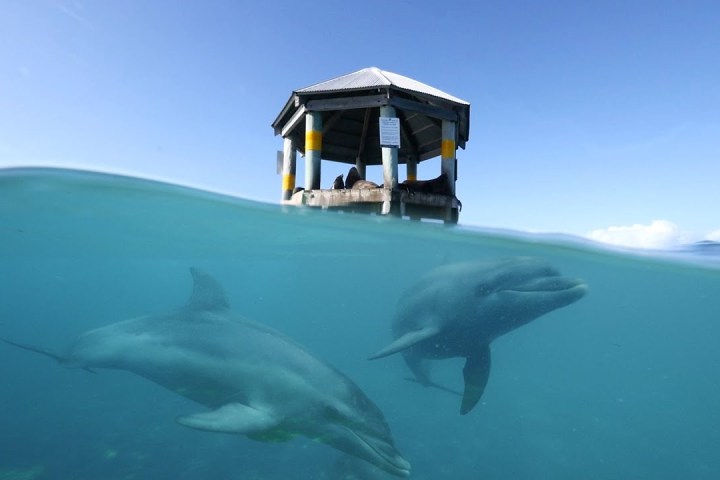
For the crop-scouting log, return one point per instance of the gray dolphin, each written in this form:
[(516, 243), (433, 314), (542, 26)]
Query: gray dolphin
[(254, 380), (457, 310)]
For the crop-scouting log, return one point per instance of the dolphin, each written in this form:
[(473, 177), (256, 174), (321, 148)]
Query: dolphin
[(254, 380), (457, 310)]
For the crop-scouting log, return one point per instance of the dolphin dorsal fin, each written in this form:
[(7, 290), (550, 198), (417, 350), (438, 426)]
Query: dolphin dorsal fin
[(207, 293)]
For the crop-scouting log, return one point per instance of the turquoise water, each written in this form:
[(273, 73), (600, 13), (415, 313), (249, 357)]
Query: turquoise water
[(622, 384)]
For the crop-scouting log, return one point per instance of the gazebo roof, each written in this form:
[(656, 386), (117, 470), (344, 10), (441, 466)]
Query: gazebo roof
[(350, 106), (373, 77)]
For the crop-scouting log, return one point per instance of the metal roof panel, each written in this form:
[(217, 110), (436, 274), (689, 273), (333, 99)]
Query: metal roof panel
[(365, 78), (407, 83), (373, 77)]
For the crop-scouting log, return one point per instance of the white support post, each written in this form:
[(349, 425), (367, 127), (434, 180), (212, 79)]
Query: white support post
[(412, 169), (447, 151), (389, 155), (288, 168), (360, 166), (313, 149)]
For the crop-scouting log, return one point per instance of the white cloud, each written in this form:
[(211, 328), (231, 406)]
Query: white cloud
[(660, 234), (714, 236)]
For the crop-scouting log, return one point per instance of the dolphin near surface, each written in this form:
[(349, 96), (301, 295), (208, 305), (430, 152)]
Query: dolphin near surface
[(457, 310), (254, 380)]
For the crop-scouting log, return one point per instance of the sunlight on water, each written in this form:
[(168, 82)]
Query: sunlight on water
[(617, 385)]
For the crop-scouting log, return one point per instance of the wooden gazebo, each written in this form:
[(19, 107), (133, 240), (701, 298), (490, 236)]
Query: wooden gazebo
[(374, 117)]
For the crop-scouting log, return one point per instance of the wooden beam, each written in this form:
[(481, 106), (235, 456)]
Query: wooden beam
[(407, 138), (428, 126), (332, 121), (346, 103), (286, 109), (363, 136), (294, 121), (424, 108)]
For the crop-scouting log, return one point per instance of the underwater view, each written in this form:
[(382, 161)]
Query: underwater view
[(153, 331)]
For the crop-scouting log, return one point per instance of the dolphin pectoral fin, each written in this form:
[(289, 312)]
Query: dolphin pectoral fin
[(231, 418), (406, 341), (475, 373)]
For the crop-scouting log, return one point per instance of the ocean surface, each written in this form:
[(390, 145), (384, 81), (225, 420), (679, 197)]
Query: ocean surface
[(622, 384)]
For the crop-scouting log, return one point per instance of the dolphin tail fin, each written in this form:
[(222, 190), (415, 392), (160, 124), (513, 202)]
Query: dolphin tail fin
[(421, 369), (32, 348), (42, 351), (476, 373), (406, 341), (432, 384)]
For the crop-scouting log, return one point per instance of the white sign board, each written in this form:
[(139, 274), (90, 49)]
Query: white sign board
[(389, 132)]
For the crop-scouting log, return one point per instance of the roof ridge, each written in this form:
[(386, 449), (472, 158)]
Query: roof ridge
[(381, 73)]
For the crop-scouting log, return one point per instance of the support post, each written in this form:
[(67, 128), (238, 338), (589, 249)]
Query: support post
[(389, 155), (412, 169), (447, 151), (360, 159), (288, 168), (313, 149), (360, 166)]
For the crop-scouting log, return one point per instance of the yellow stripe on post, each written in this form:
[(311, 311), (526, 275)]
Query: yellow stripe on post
[(288, 182), (313, 140), (447, 148)]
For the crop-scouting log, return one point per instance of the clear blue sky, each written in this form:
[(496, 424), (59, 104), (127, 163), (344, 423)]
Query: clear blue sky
[(585, 115)]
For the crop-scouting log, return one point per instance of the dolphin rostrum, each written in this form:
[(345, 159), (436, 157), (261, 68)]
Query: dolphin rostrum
[(457, 310), (254, 380)]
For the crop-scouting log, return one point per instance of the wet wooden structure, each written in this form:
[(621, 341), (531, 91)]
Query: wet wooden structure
[(374, 117)]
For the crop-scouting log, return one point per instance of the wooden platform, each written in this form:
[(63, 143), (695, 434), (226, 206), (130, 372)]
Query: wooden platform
[(401, 203)]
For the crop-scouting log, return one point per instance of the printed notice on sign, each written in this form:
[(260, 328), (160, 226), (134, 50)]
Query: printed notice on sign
[(389, 132)]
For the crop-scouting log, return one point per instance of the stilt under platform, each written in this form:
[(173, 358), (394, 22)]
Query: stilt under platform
[(381, 201)]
